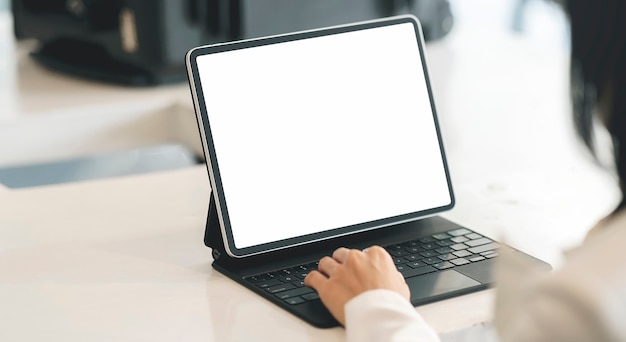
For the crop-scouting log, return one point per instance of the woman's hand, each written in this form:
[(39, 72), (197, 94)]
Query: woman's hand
[(351, 272)]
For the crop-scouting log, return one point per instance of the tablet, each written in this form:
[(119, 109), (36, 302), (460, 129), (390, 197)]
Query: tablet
[(317, 134)]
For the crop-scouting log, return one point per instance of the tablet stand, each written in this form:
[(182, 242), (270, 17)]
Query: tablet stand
[(213, 233), (213, 239)]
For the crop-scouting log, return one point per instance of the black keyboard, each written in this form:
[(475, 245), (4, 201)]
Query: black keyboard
[(412, 258)]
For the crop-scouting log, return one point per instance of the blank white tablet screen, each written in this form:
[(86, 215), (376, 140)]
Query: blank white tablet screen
[(321, 133)]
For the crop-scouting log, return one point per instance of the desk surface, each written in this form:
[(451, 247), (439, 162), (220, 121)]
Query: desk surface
[(123, 259)]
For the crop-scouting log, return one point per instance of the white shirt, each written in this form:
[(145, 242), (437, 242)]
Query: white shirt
[(384, 315), (584, 300)]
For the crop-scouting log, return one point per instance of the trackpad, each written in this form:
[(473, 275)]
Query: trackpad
[(434, 284)]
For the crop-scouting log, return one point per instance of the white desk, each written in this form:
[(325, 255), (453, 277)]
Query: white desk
[(123, 259)]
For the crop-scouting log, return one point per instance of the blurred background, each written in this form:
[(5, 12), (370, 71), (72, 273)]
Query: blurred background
[(93, 89), (541, 19), (140, 43), (98, 45)]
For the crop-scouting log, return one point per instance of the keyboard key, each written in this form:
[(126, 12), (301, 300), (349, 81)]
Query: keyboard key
[(294, 300), (394, 247), (459, 246), (413, 243), (429, 246), (284, 272), (484, 248), (462, 253), (426, 239), (311, 296), (459, 239), (430, 261), (413, 250), (288, 271), (299, 283), (280, 288), (459, 232), (429, 254), (413, 257), (416, 264), (443, 265), (460, 261), (441, 236), (443, 250), (473, 236), (287, 279), (398, 253), (253, 279), (447, 256), (418, 271), (294, 293), (492, 255), (398, 261), (401, 268), (270, 275), (446, 242), (477, 258), (303, 268), (478, 242), (268, 283), (301, 275)]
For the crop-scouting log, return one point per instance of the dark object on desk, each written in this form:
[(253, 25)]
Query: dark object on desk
[(140, 43)]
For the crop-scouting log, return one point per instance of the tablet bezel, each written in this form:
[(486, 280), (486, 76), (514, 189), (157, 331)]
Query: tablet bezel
[(210, 154)]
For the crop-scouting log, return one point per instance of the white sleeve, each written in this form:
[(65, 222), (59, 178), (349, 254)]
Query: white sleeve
[(384, 315), (584, 300)]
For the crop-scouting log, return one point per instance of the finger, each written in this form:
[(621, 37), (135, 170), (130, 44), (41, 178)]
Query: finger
[(341, 254), (377, 251), (315, 280), (327, 266)]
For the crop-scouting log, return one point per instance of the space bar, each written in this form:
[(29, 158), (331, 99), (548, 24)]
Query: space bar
[(417, 271)]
